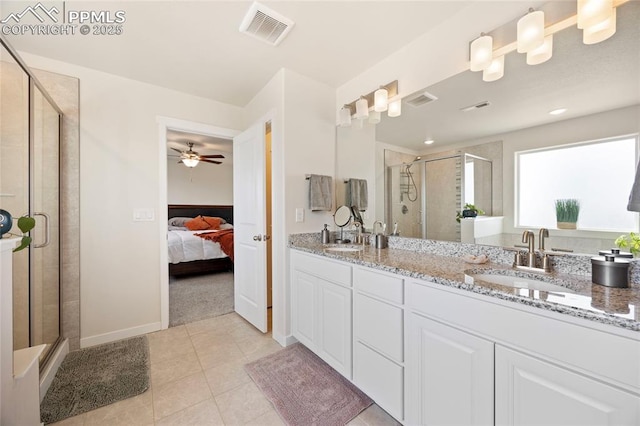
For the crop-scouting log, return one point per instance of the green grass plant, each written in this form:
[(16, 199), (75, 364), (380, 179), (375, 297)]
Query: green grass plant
[(567, 210)]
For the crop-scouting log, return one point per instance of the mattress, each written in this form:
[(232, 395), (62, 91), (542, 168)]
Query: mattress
[(184, 246)]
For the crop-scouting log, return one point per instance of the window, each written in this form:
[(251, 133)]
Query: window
[(599, 174)]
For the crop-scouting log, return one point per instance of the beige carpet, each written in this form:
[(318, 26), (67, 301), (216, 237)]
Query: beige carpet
[(198, 297), (305, 390)]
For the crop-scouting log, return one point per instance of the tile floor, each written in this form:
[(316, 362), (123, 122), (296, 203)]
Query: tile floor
[(197, 378)]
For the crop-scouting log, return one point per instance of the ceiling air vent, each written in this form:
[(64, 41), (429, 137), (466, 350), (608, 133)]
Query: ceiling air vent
[(265, 24), (476, 106), (420, 99)]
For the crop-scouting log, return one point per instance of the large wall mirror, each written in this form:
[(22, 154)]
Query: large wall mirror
[(479, 130)]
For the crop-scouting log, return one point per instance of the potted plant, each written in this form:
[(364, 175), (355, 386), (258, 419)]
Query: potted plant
[(567, 212), (469, 211), (630, 242), (25, 223)]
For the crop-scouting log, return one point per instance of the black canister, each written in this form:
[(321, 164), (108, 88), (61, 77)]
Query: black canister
[(610, 271), (616, 252)]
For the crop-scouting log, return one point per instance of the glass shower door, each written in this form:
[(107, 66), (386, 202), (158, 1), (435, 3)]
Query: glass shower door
[(45, 208)]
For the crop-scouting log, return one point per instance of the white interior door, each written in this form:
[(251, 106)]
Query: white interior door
[(250, 257)]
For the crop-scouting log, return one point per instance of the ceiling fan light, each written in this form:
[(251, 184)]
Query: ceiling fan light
[(542, 53), (345, 116), (481, 53), (190, 162), (395, 108), (600, 32), (381, 98), (495, 70), (593, 12), (362, 108), (530, 31)]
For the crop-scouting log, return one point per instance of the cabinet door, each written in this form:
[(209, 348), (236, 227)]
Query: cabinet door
[(533, 392), (303, 308), (334, 331), (449, 375)]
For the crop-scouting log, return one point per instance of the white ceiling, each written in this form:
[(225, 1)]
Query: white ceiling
[(585, 79), (195, 46)]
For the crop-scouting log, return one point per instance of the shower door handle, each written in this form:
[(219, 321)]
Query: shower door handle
[(47, 231)]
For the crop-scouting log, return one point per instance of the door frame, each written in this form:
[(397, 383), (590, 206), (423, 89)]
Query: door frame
[(164, 124)]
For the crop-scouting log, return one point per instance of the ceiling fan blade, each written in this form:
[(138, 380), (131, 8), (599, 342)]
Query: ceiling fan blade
[(176, 150), (212, 156), (211, 161)]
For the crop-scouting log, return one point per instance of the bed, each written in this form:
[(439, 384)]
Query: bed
[(190, 254)]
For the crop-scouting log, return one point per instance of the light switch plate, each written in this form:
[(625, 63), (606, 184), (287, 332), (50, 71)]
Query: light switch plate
[(143, 215), (299, 214)]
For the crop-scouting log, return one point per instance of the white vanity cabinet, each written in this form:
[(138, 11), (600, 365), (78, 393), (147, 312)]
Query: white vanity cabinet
[(321, 308), (378, 338), (449, 375)]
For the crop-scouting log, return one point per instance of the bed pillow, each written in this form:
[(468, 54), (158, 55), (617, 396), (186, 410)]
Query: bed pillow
[(179, 221), (197, 224), (226, 226), (214, 222)]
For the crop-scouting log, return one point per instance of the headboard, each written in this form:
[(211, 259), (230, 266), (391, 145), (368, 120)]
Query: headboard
[(188, 210)]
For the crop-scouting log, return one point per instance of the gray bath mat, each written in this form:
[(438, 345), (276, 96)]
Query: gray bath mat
[(97, 376), (305, 390)]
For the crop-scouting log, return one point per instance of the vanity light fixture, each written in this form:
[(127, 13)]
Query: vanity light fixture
[(190, 162), (542, 53), (558, 111), (530, 31), (362, 108), (345, 116), (593, 12), (481, 52), (395, 108), (495, 71), (600, 32), (381, 99), (374, 117)]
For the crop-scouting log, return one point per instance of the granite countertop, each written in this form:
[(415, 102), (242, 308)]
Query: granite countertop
[(612, 306)]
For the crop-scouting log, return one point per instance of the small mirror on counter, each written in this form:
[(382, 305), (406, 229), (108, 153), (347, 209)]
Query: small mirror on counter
[(342, 217)]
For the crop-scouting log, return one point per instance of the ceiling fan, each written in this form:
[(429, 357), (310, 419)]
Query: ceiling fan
[(191, 158)]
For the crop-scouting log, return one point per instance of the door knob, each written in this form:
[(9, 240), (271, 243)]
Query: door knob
[(266, 237), (257, 238)]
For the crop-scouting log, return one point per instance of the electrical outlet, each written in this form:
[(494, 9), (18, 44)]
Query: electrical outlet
[(299, 214)]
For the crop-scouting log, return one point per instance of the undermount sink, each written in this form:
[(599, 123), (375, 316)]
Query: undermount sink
[(347, 249), (516, 282)]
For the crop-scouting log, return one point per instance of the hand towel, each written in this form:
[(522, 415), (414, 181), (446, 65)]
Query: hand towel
[(634, 196), (320, 193), (357, 194)]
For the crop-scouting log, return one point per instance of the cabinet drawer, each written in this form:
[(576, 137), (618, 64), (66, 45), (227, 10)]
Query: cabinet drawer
[(379, 378), (379, 325), (388, 287), (329, 270)]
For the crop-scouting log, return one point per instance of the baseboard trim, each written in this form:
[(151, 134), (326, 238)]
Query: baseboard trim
[(119, 334), (284, 340), (46, 377)]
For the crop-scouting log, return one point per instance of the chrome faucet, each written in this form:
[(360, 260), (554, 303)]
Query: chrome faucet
[(529, 238)]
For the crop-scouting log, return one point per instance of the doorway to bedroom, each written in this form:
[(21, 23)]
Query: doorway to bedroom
[(200, 226)]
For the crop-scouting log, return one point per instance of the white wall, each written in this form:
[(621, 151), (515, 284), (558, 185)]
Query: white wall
[(203, 184), (303, 141), (119, 170)]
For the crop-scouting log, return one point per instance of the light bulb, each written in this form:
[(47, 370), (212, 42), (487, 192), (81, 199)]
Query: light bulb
[(362, 108), (395, 108), (381, 97)]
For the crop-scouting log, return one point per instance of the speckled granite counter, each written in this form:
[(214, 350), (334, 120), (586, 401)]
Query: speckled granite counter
[(617, 307)]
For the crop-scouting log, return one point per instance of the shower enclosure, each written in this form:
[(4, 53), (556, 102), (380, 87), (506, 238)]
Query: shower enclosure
[(30, 185), (423, 196)]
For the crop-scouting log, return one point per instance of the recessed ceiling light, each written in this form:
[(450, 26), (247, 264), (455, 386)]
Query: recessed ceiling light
[(429, 141), (558, 111)]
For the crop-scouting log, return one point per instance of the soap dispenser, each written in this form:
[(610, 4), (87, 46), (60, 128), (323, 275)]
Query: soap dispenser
[(325, 235)]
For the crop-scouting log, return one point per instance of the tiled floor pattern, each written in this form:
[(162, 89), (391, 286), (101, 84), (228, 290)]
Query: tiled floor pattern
[(197, 378)]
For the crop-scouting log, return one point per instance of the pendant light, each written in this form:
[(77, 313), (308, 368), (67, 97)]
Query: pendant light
[(380, 99), (542, 53), (530, 31), (481, 52), (495, 71), (593, 12), (395, 108), (600, 32), (362, 108), (345, 116)]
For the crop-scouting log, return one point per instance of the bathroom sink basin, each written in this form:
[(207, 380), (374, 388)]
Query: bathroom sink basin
[(517, 282), (343, 249)]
